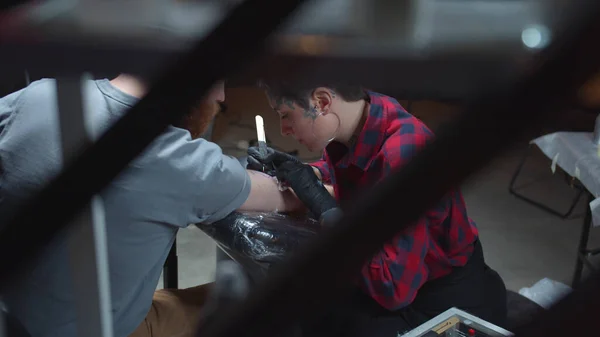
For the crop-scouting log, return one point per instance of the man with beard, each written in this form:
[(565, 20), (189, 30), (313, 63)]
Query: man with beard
[(178, 180)]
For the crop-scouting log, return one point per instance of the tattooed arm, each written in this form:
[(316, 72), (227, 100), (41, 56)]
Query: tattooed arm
[(265, 196)]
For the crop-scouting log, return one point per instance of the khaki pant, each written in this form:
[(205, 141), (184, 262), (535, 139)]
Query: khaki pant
[(174, 312)]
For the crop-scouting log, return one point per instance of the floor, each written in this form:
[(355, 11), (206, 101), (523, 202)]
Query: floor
[(523, 243)]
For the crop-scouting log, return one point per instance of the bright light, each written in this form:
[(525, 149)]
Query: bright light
[(535, 37)]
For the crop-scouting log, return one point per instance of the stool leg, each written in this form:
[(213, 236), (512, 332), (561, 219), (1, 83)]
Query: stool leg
[(221, 255), (170, 270), (512, 190), (582, 247), (513, 179)]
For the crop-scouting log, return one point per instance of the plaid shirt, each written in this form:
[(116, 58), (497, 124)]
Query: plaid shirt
[(443, 238)]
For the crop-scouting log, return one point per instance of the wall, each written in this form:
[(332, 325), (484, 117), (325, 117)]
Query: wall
[(246, 102)]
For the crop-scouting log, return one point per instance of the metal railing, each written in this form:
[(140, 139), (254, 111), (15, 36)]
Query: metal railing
[(492, 121)]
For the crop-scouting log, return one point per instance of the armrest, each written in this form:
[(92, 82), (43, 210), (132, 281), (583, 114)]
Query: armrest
[(262, 237)]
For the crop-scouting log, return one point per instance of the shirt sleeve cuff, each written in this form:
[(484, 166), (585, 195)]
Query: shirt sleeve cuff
[(324, 174), (239, 198)]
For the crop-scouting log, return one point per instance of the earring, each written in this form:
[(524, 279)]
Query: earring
[(317, 111)]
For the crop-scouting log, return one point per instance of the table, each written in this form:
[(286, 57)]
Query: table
[(577, 155)]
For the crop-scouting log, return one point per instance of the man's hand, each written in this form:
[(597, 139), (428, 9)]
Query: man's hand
[(307, 186), (269, 162)]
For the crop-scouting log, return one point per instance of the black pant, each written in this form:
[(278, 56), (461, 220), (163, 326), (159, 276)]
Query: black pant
[(474, 288)]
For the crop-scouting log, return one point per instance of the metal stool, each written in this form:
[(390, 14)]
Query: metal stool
[(171, 269), (571, 181)]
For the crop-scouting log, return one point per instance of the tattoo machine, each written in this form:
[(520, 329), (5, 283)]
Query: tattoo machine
[(260, 133), (262, 144)]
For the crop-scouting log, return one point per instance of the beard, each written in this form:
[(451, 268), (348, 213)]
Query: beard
[(199, 119)]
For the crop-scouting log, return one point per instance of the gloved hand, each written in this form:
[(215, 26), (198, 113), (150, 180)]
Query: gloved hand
[(269, 162), (307, 186)]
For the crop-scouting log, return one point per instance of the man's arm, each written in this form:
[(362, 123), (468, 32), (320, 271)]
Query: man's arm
[(265, 196), (256, 161)]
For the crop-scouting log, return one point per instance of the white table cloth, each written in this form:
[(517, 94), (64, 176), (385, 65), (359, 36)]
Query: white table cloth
[(577, 155)]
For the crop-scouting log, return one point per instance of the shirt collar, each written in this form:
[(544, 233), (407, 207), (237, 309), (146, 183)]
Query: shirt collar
[(372, 135)]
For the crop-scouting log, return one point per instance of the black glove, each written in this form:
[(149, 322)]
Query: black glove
[(269, 162), (307, 186)]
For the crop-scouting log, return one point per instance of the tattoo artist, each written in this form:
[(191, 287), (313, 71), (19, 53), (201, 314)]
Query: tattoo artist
[(436, 265)]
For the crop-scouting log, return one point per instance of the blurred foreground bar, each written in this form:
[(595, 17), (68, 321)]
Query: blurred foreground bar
[(440, 49)]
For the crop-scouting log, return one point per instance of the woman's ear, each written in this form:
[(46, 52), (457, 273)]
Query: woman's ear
[(323, 98)]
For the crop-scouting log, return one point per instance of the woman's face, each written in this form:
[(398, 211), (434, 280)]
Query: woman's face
[(310, 127)]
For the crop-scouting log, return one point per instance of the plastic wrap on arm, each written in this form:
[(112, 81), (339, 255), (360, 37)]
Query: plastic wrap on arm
[(262, 237)]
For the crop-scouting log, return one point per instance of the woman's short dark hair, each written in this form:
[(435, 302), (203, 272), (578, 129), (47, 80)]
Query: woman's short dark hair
[(300, 93)]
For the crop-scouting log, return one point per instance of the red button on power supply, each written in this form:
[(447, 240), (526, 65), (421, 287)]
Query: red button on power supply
[(471, 332)]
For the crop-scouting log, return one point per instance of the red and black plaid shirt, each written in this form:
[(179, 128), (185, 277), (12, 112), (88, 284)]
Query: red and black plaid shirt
[(443, 238)]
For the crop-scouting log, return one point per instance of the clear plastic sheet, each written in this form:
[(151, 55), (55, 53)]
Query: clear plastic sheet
[(261, 237), (576, 154)]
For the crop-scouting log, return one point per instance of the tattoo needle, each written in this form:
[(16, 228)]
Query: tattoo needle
[(260, 133), (262, 145)]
